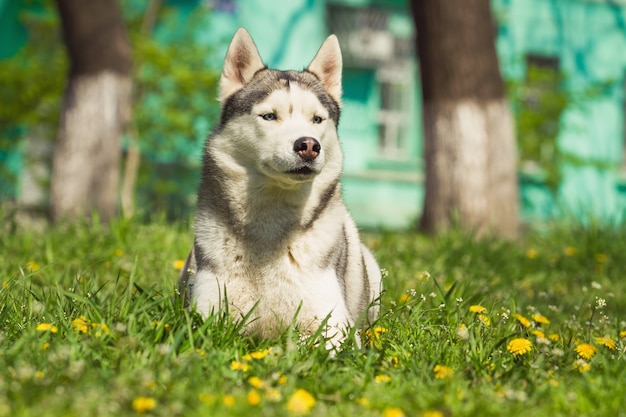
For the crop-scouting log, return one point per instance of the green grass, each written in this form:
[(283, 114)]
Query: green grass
[(121, 344)]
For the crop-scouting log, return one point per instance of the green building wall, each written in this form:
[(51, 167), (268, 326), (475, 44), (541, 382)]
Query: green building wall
[(589, 40), (587, 37)]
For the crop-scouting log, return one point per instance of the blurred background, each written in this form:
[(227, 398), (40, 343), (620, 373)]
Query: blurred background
[(563, 64)]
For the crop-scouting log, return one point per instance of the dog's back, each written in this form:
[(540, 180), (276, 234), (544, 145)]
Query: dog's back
[(272, 234)]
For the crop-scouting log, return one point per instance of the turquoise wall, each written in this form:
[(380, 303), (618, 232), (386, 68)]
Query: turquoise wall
[(589, 39)]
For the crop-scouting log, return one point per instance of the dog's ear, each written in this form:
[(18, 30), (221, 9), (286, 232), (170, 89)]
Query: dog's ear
[(241, 63), (327, 67)]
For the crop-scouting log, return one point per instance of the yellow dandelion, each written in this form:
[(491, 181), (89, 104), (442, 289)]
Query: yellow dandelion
[(282, 379), (80, 324), (253, 397), (569, 251), (538, 333), (300, 402), (363, 401), (39, 375), (119, 253), (178, 264), (33, 266), (622, 334), (100, 329), (606, 341), (273, 395), (143, 404), (382, 379), (47, 327), (206, 398), (523, 320), (393, 412), (582, 366), (404, 298), (376, 332), (239, 366), (260, 354), (519, 346), (600, 258), (585, 350), (374, 335), (45, 346), (554, 337), (442, 371), (256, 382), (255, 355), (228, 400), (538, 318), (531, 253), (433, 413), (484, 319), (477, 309)]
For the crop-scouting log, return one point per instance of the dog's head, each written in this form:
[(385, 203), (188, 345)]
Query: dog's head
[(286, 120)]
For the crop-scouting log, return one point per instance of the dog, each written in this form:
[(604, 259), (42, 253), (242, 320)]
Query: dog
[(274, 242)]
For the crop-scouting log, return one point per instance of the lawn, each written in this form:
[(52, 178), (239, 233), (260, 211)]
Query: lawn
[(90, 325)]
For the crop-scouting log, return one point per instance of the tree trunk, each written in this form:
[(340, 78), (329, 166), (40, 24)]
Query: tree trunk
[(96, 108), (469, 151)]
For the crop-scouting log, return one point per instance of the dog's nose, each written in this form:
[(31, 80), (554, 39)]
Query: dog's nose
[(307, 148)]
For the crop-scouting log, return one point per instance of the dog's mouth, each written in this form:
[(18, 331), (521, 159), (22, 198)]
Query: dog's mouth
[(303, 171)]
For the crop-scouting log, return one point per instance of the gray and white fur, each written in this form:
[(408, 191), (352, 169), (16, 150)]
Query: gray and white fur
[(272, 234)]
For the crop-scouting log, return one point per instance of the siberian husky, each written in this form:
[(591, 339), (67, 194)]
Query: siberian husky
[(274, 241)]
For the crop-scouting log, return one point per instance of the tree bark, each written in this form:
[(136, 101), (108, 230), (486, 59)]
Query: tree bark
[(96, 109), (469, 150)]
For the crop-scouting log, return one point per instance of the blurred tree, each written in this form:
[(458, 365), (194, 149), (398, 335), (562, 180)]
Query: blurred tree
[(470, 155), (173, 102), (32, 81), (95, 109)]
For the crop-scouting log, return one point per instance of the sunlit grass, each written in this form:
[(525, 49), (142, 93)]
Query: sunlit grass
[(90, 324)]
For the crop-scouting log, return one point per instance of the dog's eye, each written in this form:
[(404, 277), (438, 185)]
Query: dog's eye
[(269, 116), (317, 119)]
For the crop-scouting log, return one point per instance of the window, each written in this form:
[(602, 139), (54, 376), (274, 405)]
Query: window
[(381, 40), (394, 115)]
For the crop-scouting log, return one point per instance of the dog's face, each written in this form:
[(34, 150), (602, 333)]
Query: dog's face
[(287, 120)]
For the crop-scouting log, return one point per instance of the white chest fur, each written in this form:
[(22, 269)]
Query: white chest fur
[(273, 286)]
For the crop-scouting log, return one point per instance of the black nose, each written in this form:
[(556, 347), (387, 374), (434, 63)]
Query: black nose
[(307, 148)]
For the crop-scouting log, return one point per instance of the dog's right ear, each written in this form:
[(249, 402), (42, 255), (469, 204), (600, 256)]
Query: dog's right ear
[(241, 63)]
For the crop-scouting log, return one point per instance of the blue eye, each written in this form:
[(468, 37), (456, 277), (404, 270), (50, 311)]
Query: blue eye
[(317, 120), (269, 116)]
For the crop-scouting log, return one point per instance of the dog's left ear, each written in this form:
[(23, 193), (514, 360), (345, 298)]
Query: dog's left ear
[(327, 67)]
